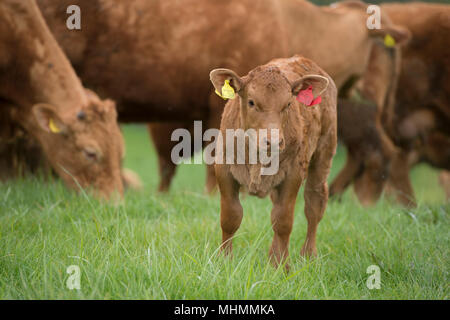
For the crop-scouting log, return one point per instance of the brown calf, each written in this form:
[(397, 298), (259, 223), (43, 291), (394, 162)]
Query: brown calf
[(306, 142), (77, 132)]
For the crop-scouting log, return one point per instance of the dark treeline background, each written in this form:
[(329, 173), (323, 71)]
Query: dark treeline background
[(327, 2)]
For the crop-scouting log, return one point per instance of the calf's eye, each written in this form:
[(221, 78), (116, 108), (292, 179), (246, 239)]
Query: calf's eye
[(251, 103)]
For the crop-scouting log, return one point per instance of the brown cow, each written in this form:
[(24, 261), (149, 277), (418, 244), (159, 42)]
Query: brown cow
[(369, 148), (424, 87), (306, 143), (77, 132), (366, 157), (417, 120), (418, 117), (152, 56)]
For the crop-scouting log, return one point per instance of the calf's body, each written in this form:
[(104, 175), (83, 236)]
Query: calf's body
[(306, 143)]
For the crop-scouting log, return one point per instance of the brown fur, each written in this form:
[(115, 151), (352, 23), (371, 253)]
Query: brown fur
[(418, 120), (154, 56), (367, 164), (307, 142), (37, 79), (370, 149)]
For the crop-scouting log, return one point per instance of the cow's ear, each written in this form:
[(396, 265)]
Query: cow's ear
[(48, 119), (400, 35), (318, 83), (219, 79)]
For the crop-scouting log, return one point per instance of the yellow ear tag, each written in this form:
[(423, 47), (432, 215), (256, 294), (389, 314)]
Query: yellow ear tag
[(53, 127), (389, 41), (227, 91)]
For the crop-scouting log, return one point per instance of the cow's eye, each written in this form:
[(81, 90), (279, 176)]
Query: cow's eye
[(251, 103), (91, 154)]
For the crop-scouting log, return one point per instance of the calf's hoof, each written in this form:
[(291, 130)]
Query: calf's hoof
[(308, 251)]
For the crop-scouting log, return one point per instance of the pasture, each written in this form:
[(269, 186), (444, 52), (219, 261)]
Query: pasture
[(166, 246)]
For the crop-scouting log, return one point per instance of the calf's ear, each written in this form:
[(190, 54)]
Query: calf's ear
[(318, 83), (48, 119), (219, 76)]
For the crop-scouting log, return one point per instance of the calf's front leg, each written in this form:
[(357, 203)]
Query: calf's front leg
[(282, 217)]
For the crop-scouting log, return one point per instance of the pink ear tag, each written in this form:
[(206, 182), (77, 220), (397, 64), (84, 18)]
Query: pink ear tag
[(307, 98)]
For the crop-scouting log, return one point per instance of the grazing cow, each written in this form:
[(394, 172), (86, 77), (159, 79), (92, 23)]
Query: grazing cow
[(369, 148), (423, 95), (306, 144), (366, 157), (416, 119), (78, 132), (154, 55)]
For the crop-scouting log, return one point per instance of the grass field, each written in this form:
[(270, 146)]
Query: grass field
[(165, 247)]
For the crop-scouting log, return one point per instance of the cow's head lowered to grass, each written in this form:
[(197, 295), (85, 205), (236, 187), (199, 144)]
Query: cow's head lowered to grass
[(84, 145), (77, 131)]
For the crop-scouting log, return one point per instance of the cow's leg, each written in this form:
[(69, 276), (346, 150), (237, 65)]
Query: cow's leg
[(399, 181), (160, 134), (345, 177), (231, 211), (316, 197), (444, 179), (282, 218)]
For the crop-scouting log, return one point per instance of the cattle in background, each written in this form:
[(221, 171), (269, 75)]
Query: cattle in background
[(417, 118), (423, 90), (153, 57), (306, 144), (369, 148), (78, 132), (367, 163)]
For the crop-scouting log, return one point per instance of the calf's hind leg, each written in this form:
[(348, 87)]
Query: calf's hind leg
[(316, 197)]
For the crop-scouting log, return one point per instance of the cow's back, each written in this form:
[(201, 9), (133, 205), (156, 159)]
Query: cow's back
[(163, 51)]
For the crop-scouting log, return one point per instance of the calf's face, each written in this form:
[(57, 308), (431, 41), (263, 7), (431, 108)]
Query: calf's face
[(84, 146), (265, 98)]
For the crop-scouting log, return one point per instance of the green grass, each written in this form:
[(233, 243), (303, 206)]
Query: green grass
[(165, 247)]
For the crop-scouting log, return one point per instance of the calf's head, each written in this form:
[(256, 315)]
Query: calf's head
[(265, 98), (84, 144)]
